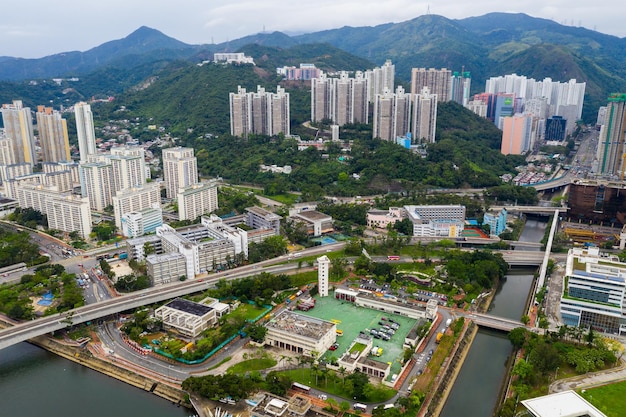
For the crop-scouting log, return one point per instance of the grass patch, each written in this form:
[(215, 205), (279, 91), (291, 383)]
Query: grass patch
[(357, 347), (251, 365), (247, 311), (610, 399), (332, 383), (286, 198), (222, 362)]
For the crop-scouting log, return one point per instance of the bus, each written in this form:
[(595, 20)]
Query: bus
[(393, 257), (13, 268), (359, 407), (300, 387)]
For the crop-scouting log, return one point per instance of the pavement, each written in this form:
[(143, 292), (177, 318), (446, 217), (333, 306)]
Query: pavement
[(590, 380)]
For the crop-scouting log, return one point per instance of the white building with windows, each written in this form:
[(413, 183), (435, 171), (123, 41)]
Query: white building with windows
[(65, 212), (85, 131), (180, 169), (135, 199), (196, 200), (233, 58), (323, 274), (138, 223), (594, 291), (186, 317), (300, 334), (437, 220), (166, 267)]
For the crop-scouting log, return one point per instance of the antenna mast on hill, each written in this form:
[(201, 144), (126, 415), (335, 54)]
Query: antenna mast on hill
[(428, 10)]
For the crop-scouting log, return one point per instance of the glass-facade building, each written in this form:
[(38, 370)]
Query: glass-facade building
[(593, 291)]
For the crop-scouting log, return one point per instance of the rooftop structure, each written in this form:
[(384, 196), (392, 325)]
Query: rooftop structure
[(561, 404), (186, 317), (317, 223), (300, 334)]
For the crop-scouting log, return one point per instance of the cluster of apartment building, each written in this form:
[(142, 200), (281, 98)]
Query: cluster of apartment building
[(530, 111), (118, 178)]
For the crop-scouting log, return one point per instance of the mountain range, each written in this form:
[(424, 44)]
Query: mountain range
[(489, 45)]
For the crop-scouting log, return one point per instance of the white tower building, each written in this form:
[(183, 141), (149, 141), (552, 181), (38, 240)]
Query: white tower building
[(323, 272), (85, 131)]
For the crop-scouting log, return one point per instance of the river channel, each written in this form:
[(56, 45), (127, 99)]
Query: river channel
[(475, 392), (35, 382)]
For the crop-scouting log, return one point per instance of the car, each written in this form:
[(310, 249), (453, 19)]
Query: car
[(378, 336), (428, 358), (430, 352), (380, 323), (333, 347), (323, 397)]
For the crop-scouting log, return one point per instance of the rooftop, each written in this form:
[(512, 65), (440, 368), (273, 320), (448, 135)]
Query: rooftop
[(306, 326), (313, 215), (561, 404), (189, 307)]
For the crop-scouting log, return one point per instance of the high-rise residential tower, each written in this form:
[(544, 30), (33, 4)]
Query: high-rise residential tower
[(438, 81), (180, 169), (380, 79), (611, 151), (18, 127), (460, 87), (392, 114), (53, 138), (85, 130), (342, 100), (424, 124), (516, 134), (261, 112)]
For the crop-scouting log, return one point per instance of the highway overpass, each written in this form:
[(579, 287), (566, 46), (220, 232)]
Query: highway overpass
[(48, 324)]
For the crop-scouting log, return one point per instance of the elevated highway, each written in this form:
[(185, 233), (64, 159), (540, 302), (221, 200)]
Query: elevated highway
[(44, 325), (530, 209)]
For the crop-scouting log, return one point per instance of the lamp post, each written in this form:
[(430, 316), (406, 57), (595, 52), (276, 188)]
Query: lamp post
[(556, 373)]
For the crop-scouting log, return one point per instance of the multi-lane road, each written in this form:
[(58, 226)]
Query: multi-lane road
[(107, 307)]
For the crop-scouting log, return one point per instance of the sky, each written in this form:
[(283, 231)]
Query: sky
[(37, 28)]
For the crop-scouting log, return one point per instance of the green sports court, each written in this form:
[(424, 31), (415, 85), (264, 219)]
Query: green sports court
[(351, 320)]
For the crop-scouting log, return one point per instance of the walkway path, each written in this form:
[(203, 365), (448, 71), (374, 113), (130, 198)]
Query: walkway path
[(590, 380)]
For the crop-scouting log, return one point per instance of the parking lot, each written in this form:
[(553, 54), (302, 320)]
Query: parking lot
[(351, 320)]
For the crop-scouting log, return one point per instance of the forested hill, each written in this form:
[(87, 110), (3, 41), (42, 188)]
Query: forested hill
[(466, 155)]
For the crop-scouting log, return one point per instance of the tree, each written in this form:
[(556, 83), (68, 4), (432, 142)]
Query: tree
[(338, 268), (257, 332)]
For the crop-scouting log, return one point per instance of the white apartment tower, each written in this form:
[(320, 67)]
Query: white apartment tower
[(380, 79), (85, 131), (424, 117), (65, 212), (18, 127), (135, 199), (129, 167), (53, 138), (196, 200), (392, 114), (180, 169), (98, 184), (438, 81), (343, 100), (261, 113), (323, 274)]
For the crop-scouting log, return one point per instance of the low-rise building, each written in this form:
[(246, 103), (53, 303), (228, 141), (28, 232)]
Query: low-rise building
[(437, 220), (380, 219), (406, 308), (300, 334), (317, 223), (139, 223), (496, 222), (166, 267), (259, 218), (186, 317), (233, 58), (560, 404)]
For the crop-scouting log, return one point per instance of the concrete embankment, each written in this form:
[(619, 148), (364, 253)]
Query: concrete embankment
[(447, 377)]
